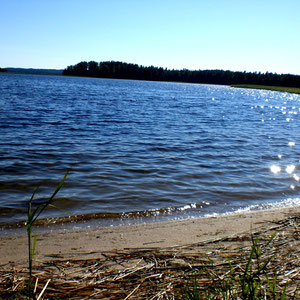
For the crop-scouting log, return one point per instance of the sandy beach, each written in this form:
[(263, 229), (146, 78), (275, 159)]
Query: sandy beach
[(117, 262), (90, 242)]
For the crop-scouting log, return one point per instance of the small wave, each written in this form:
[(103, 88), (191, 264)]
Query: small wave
[(118, 218), (289, 202), (140, 171)]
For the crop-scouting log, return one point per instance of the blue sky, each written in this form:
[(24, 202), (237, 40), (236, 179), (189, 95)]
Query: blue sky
[(256, 35)]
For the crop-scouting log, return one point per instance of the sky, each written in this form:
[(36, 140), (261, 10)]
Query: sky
[(237, 35)]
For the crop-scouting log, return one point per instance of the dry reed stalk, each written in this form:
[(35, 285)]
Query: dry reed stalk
[(155, 273)]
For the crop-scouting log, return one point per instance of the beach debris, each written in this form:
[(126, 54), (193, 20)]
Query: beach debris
[(162, 273)]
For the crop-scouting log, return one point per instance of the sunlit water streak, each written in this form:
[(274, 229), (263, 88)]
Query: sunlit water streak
[(141, 150)]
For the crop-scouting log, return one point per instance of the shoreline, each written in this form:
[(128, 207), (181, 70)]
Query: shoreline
[(90, 242), (99, 220), (282, 89)]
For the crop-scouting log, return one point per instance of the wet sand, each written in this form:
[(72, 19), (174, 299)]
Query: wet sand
[(86, 243)]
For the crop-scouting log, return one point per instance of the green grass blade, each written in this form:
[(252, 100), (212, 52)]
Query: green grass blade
[(271, 239), (41, 207), (274, 286), (31, 218), (58, 208), (249, 260), (33, 246), (58, 187), (283, 294), (29, 212), (38, 211), (265, 264)]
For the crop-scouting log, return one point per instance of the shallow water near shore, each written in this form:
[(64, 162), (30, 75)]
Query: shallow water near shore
[(141, 150)]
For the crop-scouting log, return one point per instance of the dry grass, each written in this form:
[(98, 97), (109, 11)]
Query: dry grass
[(155, 273)]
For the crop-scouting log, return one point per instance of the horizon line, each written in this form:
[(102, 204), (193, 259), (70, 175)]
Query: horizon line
[(140, 65)]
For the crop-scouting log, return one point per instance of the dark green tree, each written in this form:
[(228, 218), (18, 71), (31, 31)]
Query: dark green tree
[(115, 69)]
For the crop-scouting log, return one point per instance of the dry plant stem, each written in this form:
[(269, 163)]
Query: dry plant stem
[(35, 286), (163, 273), (43, 290)]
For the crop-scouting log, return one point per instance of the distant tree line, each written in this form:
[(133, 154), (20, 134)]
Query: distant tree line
[(3, 70), (121, 70), (35, 71)]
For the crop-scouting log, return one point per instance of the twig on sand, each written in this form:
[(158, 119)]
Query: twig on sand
[(43, 290)]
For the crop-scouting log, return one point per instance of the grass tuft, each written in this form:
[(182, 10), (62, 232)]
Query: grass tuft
[(32, 216), (249, 282)]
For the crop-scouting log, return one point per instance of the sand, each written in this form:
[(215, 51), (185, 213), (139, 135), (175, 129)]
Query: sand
[(87, 243)]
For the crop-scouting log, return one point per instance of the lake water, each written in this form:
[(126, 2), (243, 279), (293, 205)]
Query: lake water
[(140, 151)]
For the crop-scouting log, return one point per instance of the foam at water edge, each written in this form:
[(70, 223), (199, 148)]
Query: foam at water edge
[(289, 202)]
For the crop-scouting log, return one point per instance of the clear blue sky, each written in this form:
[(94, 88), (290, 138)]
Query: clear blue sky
[(250, 35)]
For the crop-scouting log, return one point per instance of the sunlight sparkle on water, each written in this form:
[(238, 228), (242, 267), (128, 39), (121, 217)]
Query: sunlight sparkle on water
[(275, 169), (296, 177), (291, 144), (290, 169)]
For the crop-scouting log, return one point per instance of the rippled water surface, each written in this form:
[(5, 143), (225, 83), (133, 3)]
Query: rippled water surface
[(137, 148)]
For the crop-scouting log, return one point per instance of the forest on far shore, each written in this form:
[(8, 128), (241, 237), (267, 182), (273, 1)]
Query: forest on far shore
[(121, 70)]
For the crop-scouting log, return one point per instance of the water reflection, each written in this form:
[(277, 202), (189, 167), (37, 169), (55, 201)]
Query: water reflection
[(290, 169), (275, 169), (143, 146)]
